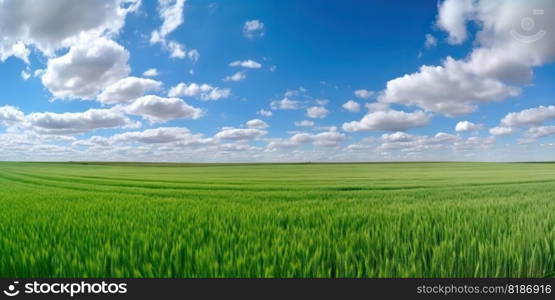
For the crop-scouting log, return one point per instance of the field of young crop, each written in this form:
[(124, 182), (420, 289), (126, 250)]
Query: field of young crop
[(298, 220)]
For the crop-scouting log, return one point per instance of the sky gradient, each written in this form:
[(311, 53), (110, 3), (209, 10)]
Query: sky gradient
[(277, 81)]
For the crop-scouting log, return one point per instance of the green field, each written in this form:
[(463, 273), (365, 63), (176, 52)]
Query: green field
[(297, 220)]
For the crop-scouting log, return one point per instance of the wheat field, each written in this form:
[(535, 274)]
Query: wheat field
[(277, 220)]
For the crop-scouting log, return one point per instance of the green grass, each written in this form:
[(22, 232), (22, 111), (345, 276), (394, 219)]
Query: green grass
[(303, 220)]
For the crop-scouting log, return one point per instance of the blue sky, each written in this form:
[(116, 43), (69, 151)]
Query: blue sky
[(426, 80)]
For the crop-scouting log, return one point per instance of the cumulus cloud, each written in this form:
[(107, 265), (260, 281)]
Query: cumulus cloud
[(466, 126), (400, 141), (80, 122), (128, 89), (17, 49), (388, 120), (205, 91), (157, 109), (536, 132), (285, 103), (453, 16), (10, 115), (237, 134), (238, 76), (448, 89), (151, 73), (330, 138), (173, 137), (533, 118), (304, 123), (264, 113), (160, 135), (249, 64), (529, 117), (257, 124), (93, 141), (501, 130), (316, 112), (501, 61), (363, 94), (351, 106), (253, 29), (48, 26), (86, 69), (403, 146)]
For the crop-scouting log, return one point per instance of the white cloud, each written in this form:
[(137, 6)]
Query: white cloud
[(157, 109), (160, 135), (86, 69), (171, 12), (316, 112), (389, 120), (203, 91), (351, 106), (466, 126), (253, 29), (397, 137), (330, 138), (238, 76), (93, 141), (257, 124), (293, 93), (377, 106), (264, 113), (501, 130), (16, 49), (536, 132), (363, 94), (10, 115), (80, 122), (430, 42), (128, 89), (25, 75), (231, 133), (474, 143), (56, 24), (38, 72), (249, 64), (410, 144), (448, 89), (304, 123), (531, 116), (176, 50), (193, 55), (407, 143), (499, 64), (453, 16), (322, 102), (151, 73), (284, 103)]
